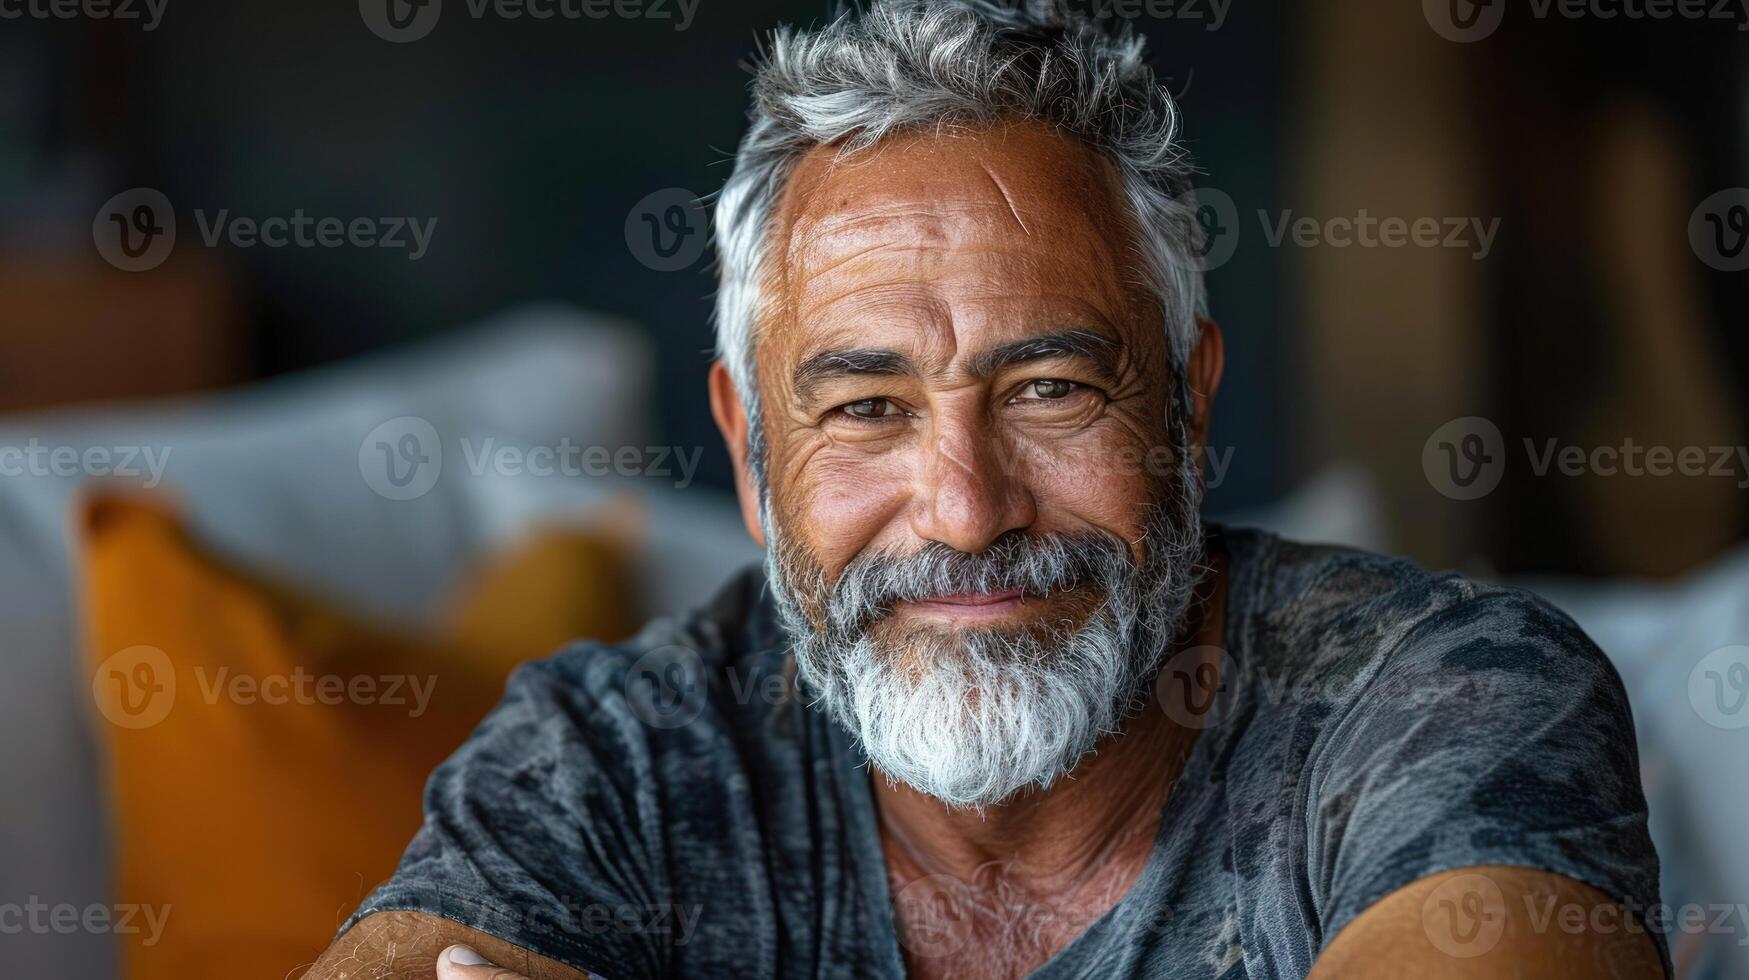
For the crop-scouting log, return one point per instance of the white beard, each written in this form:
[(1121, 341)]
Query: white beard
[(977, 716), (972, 716)]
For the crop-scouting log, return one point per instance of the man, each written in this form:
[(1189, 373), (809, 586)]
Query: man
[(999, 704)]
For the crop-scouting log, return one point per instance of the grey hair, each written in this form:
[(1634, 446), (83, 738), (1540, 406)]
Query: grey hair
[(905, 65)]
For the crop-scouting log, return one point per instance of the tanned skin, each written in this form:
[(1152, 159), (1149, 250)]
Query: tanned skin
[(940, 249)]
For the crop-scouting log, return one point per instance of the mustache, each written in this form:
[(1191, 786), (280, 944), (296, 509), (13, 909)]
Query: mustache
[(1034, 565)]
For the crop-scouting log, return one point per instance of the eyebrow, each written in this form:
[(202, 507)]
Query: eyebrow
[(1103, 351), (825, 366)]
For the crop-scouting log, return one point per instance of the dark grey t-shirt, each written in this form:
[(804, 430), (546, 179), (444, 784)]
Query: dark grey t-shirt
[(670, 807)]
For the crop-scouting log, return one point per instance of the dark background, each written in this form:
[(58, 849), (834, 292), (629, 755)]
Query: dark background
[(531, 140)]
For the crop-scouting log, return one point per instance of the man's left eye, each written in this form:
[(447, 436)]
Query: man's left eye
[(1047, 388)]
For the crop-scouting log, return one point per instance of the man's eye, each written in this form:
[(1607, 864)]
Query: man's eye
[(871, 409), (1047, 388)]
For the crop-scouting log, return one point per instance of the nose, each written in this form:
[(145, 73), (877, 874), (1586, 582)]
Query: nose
[(967, 492)]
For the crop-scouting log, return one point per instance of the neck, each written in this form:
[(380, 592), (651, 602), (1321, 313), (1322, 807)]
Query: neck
[(1092, 832)]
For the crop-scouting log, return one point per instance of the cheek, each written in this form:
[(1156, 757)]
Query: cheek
[(841, 503), (1100, 477)]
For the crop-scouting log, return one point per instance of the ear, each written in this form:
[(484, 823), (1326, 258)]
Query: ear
[(732, 422), (1203, 374)]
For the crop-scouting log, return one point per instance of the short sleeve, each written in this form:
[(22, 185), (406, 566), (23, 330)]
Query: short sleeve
[(1495, 732), (538, 830)]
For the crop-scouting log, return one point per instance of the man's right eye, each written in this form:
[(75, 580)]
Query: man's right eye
[(871, 409)]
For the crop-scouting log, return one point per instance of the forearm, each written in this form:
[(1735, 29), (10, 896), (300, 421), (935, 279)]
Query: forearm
[(1492, 923), (406, 945)]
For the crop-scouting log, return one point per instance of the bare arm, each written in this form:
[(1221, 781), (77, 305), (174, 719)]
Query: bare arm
[(407, 946), (1492, 923)]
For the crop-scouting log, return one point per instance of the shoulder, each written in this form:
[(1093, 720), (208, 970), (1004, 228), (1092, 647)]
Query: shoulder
[(1345, 613)]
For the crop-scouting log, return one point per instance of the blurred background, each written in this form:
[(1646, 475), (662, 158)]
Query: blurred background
[(1548, 383)]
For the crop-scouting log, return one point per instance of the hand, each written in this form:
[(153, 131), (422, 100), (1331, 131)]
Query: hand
[(462, 963)]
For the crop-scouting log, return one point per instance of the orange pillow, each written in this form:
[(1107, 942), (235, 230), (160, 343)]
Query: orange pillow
[(267, 751)]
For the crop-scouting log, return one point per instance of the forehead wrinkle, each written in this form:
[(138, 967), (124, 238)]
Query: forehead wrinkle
[(907, 301), (900, 224), (828, 213)]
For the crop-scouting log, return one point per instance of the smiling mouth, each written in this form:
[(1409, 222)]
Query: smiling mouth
[(969, 605)]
